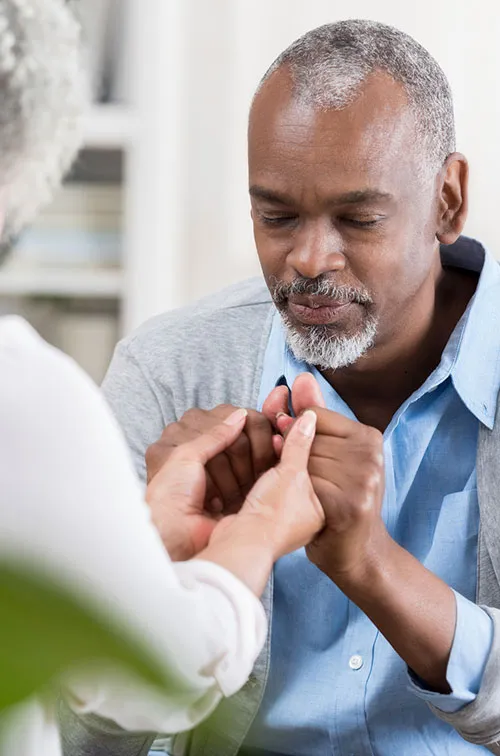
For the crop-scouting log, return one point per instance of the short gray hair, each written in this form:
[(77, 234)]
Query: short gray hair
[(43, 92), (328, 66)]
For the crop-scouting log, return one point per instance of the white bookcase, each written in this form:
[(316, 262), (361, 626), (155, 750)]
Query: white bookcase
[(147, 131)]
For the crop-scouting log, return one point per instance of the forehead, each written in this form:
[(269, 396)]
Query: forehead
[(370, 143)]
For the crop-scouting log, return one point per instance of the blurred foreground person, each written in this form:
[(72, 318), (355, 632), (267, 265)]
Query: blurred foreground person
[(74, 512)]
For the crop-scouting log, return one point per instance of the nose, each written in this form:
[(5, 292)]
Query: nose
[(317, 250)]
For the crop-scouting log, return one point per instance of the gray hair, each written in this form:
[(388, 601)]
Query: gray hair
[(43, 91), (328, 66)]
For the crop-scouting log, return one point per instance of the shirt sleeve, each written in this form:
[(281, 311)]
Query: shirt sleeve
[(72, 507), (469, 654)]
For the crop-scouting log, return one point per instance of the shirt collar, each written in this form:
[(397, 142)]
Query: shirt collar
[(476, 363), (471, 358)]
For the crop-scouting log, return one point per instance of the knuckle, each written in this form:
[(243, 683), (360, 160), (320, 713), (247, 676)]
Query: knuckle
[(154, 453), (191, 416), (375, 458), (372, 479), (373, 437), (169, 432), (224, 408), (155, 457)]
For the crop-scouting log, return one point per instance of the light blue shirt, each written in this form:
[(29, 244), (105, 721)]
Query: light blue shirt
[(335, 685)]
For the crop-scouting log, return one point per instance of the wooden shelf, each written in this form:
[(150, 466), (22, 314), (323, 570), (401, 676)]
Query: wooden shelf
[(88, 283), (109, 127)]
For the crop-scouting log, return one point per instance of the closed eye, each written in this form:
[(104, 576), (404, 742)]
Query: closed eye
[(277, 220), (362, 223)]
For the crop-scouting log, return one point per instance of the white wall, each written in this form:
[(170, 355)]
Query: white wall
[(231, 43)]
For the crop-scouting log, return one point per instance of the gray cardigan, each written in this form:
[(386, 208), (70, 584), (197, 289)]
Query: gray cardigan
[(210, 354)]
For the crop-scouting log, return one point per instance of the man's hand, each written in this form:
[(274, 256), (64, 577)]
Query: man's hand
[(231, 474), (176, 495), (347, 470), (412, 608)]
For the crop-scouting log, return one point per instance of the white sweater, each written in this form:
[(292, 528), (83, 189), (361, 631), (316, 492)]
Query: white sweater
[(73, 507)]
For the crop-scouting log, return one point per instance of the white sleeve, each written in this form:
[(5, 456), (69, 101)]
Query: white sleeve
[(73, 506)]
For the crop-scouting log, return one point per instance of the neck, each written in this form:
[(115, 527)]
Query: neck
[(378, 384)]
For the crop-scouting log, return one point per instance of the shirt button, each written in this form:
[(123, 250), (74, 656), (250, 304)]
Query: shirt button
[(356, 662)]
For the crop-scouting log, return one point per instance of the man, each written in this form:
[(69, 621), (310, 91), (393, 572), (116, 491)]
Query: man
[(358, 202)]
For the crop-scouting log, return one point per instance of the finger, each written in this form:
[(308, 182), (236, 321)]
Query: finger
[(208, 445), (212, 493), (215, 506), (239, 453), (278, 442), (276, 402), (337, 448), (284, 423), (260, 434), (299, 441), (334, 424), (306, 393), (222, 474)]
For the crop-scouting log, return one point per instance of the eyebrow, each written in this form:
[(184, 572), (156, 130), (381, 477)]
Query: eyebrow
[(349, 198)]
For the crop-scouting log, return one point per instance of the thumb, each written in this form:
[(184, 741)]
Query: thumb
[(306, 393), (276, 402), (299, 441), (219, 438)]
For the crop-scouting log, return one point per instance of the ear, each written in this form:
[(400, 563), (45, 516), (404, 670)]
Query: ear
[(453, 198)]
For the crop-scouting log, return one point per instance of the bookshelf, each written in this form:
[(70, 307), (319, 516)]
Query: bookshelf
[(144, 127), (61, 282)]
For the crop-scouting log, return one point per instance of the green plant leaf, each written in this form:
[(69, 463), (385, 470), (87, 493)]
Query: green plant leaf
[(44, 630)]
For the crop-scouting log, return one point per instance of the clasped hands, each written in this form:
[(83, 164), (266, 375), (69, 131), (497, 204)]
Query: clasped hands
[(320, 485)]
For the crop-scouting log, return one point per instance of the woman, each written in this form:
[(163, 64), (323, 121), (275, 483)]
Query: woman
[(73, 510)]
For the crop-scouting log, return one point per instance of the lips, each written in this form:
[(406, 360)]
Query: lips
[(310, 310), (314, 302)]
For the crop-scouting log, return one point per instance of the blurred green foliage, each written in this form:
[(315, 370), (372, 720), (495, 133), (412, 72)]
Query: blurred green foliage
[(44, 631)]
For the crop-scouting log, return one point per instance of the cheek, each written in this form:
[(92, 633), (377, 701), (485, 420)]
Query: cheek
[(272, 253), (396, 274)]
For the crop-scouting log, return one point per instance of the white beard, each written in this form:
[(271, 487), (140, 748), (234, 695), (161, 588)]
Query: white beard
[(316, 346)]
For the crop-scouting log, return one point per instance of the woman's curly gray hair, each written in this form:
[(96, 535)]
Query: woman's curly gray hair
[(43, 92)]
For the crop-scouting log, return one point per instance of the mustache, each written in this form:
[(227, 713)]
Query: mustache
[(320, 287)]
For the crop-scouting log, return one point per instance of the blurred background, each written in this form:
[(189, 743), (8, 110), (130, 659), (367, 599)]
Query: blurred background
[(155, 213)]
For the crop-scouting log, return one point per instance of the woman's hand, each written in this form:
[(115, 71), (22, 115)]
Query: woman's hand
[(283, 499), (176, 495), (280, 514)]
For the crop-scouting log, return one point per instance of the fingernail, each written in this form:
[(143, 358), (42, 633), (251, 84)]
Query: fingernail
[(281, 414), (307, 423), (236, 417)]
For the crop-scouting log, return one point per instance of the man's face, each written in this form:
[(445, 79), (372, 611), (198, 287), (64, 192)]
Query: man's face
[(344, 226)]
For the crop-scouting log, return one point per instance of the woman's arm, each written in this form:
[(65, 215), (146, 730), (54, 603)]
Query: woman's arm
[(72, 507), (76, 512)]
